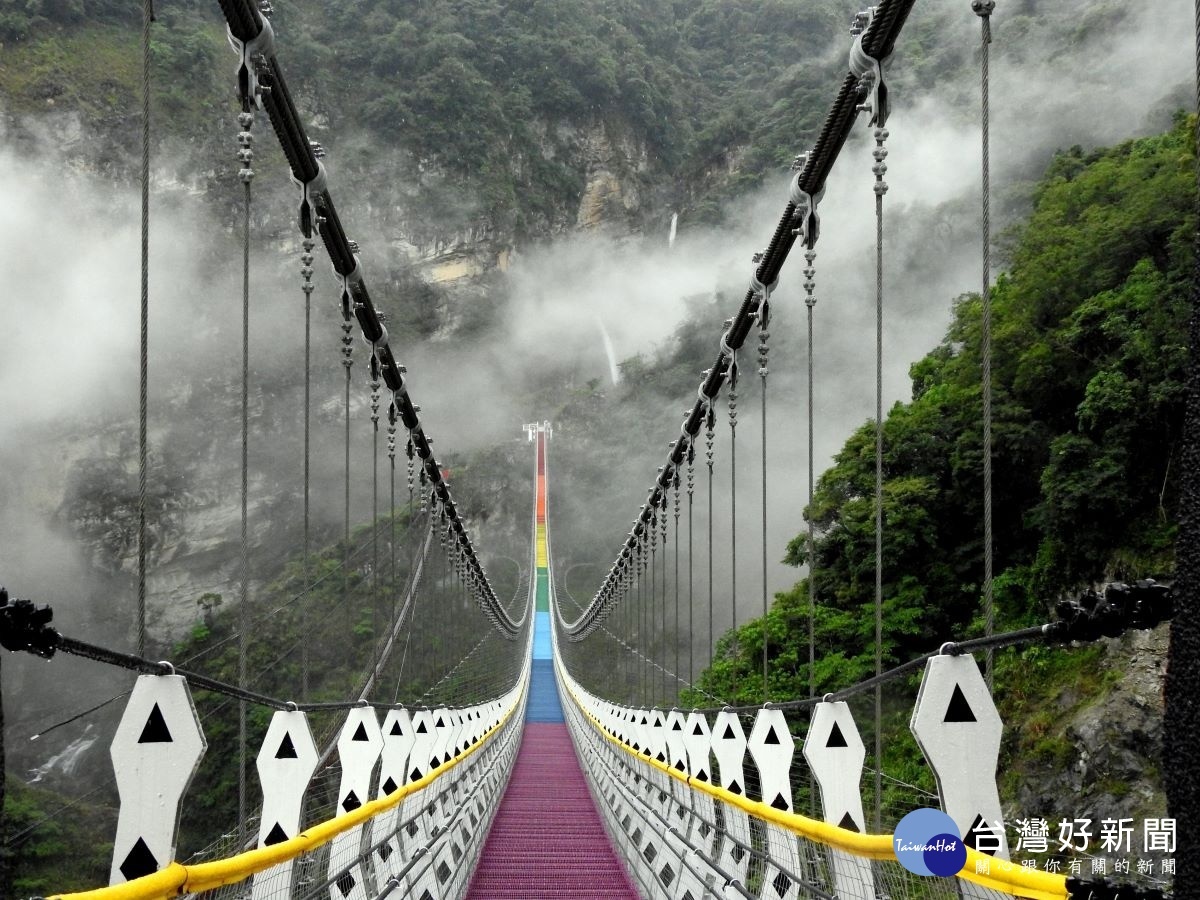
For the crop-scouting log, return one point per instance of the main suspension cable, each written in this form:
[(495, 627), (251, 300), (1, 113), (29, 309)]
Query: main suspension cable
[(252, 35), (873, 46)]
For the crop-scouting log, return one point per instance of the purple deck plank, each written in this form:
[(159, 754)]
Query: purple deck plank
[(548, 839)]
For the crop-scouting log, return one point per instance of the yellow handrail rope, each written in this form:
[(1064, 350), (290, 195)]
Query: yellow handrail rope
[(1004, 876), (178, 878)]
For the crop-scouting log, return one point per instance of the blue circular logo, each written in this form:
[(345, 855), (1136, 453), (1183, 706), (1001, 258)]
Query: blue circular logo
[(927, 842)]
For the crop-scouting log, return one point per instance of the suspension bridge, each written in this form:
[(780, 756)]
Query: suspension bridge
[(528, 767)]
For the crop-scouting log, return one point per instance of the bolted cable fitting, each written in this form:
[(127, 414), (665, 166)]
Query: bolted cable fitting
[(252, 70), (810, 274), (880, 168), (806, 220), (245, 155), (1121, 606), (869, 71), (25, 627)]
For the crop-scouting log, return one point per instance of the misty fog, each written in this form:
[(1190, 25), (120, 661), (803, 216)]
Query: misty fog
[(69, 252)]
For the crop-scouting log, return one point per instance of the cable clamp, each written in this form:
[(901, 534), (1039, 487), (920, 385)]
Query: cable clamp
[(731, 371), (869, 70), (379, 343), (808, 221), (349, 301), (250, 54), (762, 291), (309, 190), (352, 279)]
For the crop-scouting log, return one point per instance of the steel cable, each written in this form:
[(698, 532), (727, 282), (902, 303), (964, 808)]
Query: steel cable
[(144, 337), (879, 38), (246, 25), (246, 156), (810, 302), (763, 335), (983, 9), (880, 169)]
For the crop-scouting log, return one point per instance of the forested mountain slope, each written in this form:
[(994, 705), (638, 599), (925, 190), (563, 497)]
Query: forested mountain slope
[(1089, 360)]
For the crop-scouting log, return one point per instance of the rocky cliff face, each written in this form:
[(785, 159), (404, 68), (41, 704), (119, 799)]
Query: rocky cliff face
[(1094, 751), (616, 169)]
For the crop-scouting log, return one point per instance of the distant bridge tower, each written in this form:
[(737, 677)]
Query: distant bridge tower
[(532, 430)]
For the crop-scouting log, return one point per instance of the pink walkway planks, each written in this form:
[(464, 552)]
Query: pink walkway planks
[(548, 839)]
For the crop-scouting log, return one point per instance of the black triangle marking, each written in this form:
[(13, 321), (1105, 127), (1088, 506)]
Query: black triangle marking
[(360, 733), (155, 731), (421, 728), (275, 836), (396, 729), (287, 750), (959, 709), (384, 852), (836, 738), (677, 726), (439, 723), (729, 735), (389, 786), (414, 775), (351, 802), (980, 827), (780, 803), (772, 737), (698, 731), (734, 788), (346, 884), (140, 860), (848, 822)]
